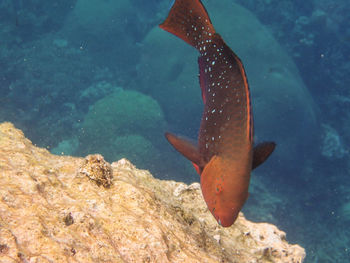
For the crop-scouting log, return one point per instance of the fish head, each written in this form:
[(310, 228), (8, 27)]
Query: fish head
[(225, 189)]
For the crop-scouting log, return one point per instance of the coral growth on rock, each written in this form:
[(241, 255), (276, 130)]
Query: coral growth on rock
[(97, 169), (50, 211), (332, 146), (122, 113)]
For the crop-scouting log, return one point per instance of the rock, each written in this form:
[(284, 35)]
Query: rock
[(114, 120), (97, 169), (94, 16), (49, 212), (109, 30), (332, 146)]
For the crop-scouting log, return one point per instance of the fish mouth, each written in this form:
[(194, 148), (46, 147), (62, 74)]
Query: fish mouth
[(226, 220)]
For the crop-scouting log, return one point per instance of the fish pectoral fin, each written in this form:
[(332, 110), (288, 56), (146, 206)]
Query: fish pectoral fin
[(261, 152), (186, 147)]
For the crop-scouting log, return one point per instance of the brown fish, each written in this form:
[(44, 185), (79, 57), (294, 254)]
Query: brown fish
[(224, 156)]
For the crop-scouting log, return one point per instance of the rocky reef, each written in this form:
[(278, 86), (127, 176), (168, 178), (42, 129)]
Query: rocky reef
[(66, 209)]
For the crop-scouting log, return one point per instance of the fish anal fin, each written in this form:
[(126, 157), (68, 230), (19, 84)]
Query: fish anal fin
[(261, 152), (198, 169), (187, 148)]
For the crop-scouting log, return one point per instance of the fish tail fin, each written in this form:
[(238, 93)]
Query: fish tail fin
[(189, 20)]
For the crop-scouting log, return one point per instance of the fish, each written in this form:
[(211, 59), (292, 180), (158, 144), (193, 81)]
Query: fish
[(224, 155)]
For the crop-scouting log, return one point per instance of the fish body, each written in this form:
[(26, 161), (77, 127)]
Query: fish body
[(224, 156)]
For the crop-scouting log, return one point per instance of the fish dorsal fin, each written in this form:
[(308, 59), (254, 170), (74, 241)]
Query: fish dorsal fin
[(261, 152), (187, 148)]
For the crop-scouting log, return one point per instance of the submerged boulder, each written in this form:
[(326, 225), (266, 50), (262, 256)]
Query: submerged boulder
[(110, 30), (65, 209), (113, 122), (131, 124)]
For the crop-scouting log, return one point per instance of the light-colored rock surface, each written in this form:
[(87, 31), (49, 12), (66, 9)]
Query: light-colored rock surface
[(52, 210)]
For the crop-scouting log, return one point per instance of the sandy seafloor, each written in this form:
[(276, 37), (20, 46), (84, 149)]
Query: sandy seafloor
[(87, 76)]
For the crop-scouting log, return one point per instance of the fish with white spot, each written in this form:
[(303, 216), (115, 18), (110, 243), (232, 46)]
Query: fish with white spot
[(225, 161)]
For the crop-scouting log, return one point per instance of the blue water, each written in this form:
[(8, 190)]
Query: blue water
[(87, 76)]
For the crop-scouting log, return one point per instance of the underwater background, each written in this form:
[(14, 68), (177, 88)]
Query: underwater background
[(88, 76)]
